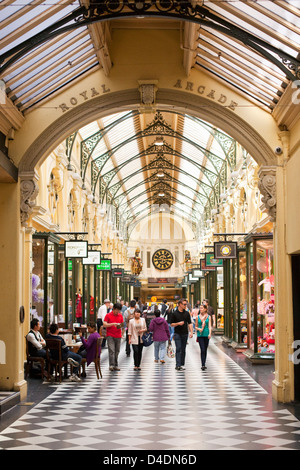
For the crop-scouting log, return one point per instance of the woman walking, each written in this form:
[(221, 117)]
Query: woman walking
[(136, 329), (203, 328), (161, 335), (168, 314)]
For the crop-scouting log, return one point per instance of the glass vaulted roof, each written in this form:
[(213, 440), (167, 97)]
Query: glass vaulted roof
[(45, 68), (129, 170)]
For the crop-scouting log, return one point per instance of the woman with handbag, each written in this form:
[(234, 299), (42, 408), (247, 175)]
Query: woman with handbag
[(161, 335), (136, 329), (203, 328)]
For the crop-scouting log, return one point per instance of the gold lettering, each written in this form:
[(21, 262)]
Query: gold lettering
[(105, 90), (94, 92), (63, 107), (233, 105), (211, 94), (73, 101), (222, 99), (189, 86), (178, 84), (84, 95)]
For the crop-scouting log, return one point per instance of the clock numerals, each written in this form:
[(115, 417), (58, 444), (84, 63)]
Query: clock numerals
[(162, 259)]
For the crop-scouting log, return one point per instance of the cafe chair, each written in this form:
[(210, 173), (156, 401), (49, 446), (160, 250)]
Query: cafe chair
[(96, 360), (31, 359), (58, 364)]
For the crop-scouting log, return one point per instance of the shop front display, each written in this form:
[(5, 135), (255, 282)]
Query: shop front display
[(44, 279), (261, 298)]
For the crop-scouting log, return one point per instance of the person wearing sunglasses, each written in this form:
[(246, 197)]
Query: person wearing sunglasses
[(180, 319)]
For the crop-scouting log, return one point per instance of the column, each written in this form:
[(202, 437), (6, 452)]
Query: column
[(13, 328), (272, 185)]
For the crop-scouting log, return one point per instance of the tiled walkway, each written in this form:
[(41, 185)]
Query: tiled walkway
[(157, 408)]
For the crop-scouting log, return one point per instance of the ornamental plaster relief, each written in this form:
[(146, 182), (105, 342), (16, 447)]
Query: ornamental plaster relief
[(267, 187)]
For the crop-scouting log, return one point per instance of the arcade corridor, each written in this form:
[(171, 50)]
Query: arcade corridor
[(156, 408)]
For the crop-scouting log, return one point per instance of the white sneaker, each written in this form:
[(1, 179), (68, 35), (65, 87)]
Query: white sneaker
[(73, 362), (75, 378)]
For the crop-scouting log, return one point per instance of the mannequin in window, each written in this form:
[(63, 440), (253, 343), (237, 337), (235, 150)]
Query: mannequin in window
[(78, 305)]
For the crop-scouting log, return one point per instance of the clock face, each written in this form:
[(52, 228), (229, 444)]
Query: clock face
[(162, 259)]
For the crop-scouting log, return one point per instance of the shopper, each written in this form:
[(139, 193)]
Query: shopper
[(36, 343), (136, 329), (128, 315), (89, 346), (161, 335), (210, 312), (181, 321), (203, 328), (195, 313), (102, 312), (113, 322), (167, 317), (66, 355)]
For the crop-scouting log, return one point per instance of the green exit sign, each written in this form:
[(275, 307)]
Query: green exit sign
[(105, 265)]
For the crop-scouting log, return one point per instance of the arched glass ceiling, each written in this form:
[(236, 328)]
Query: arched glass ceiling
[(126, 167), (43, 69)]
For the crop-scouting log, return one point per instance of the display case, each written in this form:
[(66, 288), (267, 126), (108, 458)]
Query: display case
[(261, 298), (235, 301), (44, 278)]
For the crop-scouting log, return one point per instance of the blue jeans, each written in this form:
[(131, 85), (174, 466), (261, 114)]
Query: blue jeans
[(180, 343), (76, 358), (203, 343), (171, 329), (160, 349)]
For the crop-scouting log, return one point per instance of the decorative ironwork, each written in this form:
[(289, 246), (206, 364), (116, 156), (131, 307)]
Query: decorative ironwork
[(188, 11)]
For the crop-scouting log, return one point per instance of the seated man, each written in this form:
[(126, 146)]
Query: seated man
[(89, 345), (67, 355), (36, 343)]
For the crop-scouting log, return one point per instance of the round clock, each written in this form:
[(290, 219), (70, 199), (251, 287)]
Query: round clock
[(162, 259)]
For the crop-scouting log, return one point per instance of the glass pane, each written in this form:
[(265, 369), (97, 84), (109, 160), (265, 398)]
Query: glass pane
[(38, 263), (51, 311), (265, 297), (243, 297)]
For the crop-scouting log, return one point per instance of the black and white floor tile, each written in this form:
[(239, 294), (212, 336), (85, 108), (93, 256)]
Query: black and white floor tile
[(158, 408)]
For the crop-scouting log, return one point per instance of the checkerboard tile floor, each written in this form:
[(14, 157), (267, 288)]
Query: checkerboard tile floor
[(158, 408)]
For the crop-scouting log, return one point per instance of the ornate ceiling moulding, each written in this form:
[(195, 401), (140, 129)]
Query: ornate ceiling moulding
[(267, 187)]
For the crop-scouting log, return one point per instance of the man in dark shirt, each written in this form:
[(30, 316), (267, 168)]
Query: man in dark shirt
[(181, 320)]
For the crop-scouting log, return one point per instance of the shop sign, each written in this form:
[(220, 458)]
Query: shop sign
[(104, 265), (204, 267), (76, 249), (211, 261), (70, 265), (225, 250), (117, 272), (94, 257)]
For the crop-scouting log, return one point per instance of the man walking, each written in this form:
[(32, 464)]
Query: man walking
[(180, 319), (113, 321)]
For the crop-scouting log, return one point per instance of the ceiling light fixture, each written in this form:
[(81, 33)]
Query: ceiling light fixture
[(159, 141)]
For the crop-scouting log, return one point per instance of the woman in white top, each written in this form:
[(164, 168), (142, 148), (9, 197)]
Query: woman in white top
[(136, 329)]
